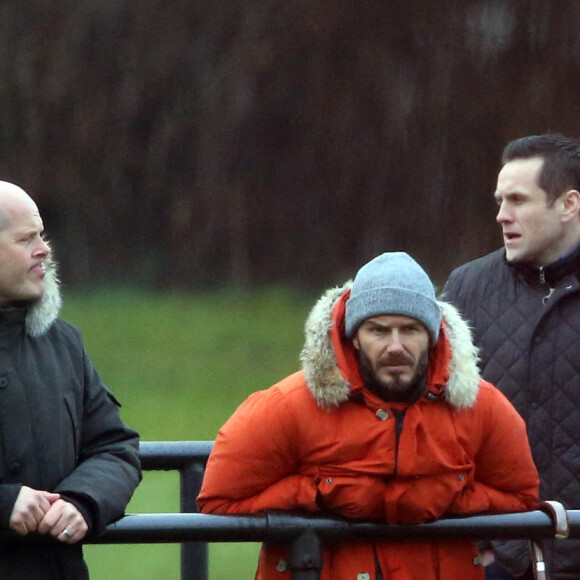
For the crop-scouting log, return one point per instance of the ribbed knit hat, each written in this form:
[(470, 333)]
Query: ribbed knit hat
[(393, 283)]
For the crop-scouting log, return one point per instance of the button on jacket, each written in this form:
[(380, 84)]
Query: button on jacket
[(319, 441)]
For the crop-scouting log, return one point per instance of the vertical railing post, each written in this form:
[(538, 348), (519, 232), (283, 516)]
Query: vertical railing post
[(194, 555), (305, 560)]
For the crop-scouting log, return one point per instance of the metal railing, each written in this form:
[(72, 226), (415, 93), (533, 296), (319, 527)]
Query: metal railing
[(305, 533), (189, 458)]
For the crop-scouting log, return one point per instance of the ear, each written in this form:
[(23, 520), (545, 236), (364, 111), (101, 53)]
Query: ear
[(356, 343), (570, 205)]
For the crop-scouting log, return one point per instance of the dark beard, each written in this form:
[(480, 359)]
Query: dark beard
[(394, 390)]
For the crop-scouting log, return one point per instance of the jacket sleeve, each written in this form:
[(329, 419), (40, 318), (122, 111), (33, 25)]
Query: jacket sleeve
[(253, 465), (505, 477), (108, 467)]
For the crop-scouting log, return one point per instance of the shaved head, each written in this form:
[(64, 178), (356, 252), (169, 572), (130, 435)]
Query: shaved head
[(22, 246), (11, 197)]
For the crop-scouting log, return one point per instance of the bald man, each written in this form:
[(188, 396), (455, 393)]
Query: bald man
[(68, 464)]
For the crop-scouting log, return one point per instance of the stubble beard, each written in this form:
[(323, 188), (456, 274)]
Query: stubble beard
[(397, 388)]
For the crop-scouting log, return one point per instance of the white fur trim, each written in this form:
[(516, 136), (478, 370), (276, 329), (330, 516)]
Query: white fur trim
[(330, 388), (45, 311)]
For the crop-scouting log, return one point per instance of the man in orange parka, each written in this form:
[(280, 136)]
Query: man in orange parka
[(388, 421)]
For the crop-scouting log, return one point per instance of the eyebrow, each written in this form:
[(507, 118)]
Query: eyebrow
[(510, 194), (25, 232), (409, 324)]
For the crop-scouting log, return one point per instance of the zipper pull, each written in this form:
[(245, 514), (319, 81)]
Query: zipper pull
[(542, 275), (543, 281), (547, 296)]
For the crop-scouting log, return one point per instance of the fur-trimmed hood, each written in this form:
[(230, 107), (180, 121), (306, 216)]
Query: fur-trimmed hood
[(325, 361), (44, 311)]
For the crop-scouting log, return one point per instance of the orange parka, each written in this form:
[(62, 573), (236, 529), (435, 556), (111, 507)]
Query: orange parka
[(320, 441)]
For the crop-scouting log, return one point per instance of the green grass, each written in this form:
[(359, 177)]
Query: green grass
[(181, 364)]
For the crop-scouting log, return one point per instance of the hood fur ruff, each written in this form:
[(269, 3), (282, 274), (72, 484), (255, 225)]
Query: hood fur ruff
[(45, 310), (330, 389)]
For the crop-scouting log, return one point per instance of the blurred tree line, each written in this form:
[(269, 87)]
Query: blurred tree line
[(193, 143)]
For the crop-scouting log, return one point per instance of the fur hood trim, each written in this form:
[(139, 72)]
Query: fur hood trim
[(329, 387), (45, 311)]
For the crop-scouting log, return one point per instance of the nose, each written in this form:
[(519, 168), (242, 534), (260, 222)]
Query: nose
[(503, 215), (42, 249), (395, 344)]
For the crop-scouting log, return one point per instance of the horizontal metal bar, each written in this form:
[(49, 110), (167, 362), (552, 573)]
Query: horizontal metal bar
[(169, 455), (168, 528)]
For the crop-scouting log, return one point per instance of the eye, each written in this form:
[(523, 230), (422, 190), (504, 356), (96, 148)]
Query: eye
[(32, 237)]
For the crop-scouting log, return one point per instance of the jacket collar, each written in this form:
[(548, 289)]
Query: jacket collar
[(331, 369), (553, 272), (43, 312)]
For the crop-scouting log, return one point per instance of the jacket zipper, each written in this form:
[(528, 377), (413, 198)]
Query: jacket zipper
[(544, 283), (399, 419), (378, 569)]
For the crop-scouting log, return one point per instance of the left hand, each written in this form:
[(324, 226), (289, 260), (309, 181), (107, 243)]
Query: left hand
[(61, 517)]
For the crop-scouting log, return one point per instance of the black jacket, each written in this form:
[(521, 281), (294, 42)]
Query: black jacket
[(526, 321), (60, 430)]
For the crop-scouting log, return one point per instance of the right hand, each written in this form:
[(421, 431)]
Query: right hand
[(29, 509), (487, 557)]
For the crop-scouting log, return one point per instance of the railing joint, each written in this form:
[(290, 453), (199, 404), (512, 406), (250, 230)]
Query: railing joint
[(559, 516)]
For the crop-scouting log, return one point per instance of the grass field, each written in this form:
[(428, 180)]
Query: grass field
[(181, 364)]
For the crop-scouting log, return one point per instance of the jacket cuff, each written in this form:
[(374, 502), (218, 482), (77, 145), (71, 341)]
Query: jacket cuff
[(85, 506), (8, 494)]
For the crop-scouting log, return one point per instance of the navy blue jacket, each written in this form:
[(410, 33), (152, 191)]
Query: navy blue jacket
[(526, 322), (60, 430)]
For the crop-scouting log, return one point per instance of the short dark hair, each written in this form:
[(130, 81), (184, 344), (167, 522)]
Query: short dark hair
[(561, 168)]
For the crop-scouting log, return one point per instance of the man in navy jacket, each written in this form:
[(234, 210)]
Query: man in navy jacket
[(523, 304), (68, 464)]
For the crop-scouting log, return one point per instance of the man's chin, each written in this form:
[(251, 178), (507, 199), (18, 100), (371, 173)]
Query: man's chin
[(394, 384), (515, 256), (396, 392), (395, 379), (33, 294)]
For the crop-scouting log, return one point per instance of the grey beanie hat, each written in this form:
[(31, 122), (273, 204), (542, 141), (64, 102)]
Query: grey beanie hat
[(393, 283)]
